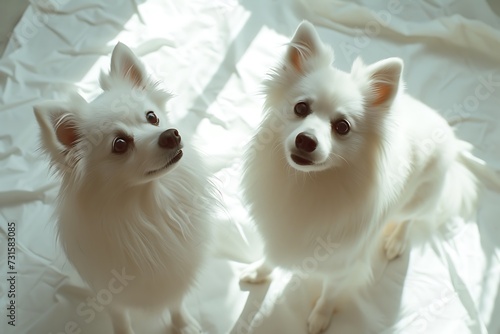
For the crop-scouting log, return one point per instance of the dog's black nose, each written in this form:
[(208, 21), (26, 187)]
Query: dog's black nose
[(169, 138), (306, 142)]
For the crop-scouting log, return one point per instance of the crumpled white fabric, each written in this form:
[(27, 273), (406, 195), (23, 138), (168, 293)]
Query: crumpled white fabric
[(213, 55)]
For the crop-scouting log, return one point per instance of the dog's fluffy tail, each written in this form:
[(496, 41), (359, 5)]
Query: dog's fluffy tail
[(467, 176), (461, 191), (477, 166)]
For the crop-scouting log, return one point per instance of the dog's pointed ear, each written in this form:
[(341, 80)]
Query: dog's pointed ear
[(305, 44), (126, 66), (58, 123), (383, 82)]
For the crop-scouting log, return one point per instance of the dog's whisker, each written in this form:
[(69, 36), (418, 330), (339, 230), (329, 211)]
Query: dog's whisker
[(341, 157)]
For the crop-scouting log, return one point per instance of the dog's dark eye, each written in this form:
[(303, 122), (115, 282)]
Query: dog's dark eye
[(342, 127), (302, 109), (120, 145), (152, 118)]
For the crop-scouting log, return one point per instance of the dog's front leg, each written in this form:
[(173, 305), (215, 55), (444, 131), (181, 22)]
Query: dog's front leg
[(257, 272), (121, 321), (321, 315), (183, 322)]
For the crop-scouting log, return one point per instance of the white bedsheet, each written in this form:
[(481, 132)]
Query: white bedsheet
[(214, 55)]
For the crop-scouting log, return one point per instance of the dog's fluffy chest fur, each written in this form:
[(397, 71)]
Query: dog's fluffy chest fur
[(299, 213), (155, 233)]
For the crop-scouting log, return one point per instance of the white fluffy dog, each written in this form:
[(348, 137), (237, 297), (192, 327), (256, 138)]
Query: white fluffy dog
[(351, 158), (135, 199)]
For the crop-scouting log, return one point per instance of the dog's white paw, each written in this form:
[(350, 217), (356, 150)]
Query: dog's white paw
[(318, 322), (395, 239), (394, 245), (253, 277), (256, 273)]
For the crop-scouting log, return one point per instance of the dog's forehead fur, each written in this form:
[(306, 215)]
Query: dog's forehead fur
[(125, 107), (339, 93)]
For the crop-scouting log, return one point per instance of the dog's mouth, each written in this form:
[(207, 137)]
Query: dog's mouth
[(301, 160), (171, 162)]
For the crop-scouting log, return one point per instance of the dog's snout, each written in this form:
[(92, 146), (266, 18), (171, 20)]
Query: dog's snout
[(306, 142), (169, 138)]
